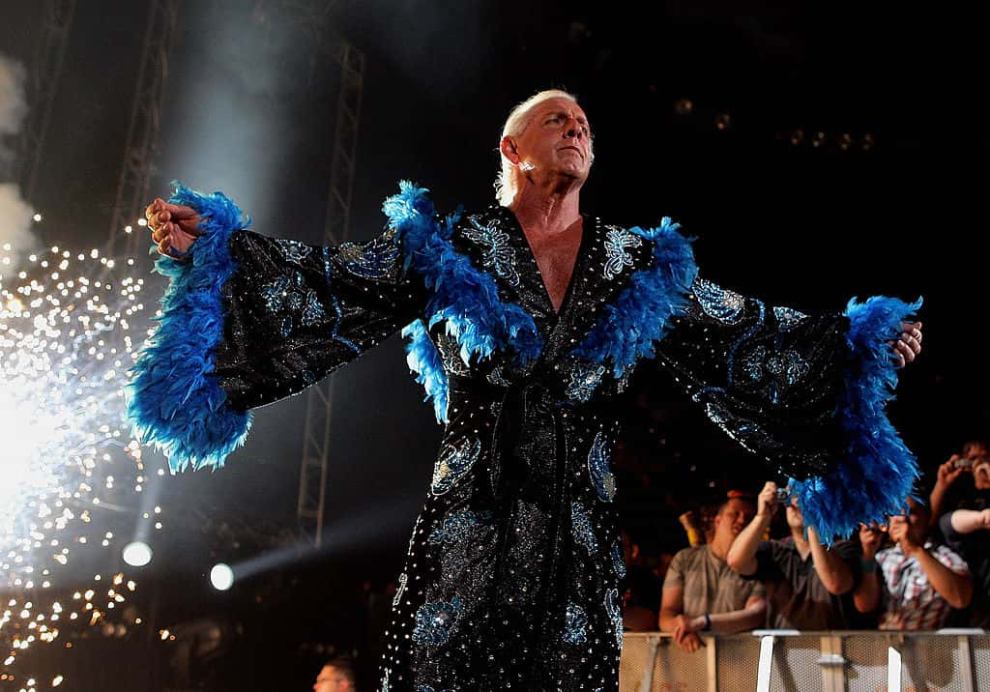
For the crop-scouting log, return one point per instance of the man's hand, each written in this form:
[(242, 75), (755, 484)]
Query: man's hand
[(685, 634), (766, 501), (173, 226), (870, 538), (908, 346), (949, 472)]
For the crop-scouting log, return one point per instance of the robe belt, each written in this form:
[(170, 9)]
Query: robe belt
[(520, 403)]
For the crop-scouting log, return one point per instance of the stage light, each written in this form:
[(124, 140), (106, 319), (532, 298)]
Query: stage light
[(222, 577), (137, 554)]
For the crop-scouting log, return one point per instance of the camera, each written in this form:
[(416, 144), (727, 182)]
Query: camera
[(783, 496)]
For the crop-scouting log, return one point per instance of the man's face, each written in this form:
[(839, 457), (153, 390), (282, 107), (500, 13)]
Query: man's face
[(795, 519), (974, 450), (917, 518), (556, 140), (331, 680), (732, 518)]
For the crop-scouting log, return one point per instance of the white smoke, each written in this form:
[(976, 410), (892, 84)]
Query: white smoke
[(15, 223), (13, 104), (15, 213)]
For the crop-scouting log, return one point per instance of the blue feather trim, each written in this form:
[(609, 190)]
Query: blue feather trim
[(424, 360), (463, 296), (630, 326), (174, 403), (877, 471)]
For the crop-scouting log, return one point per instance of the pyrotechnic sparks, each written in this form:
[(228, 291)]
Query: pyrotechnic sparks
[(72, 473)]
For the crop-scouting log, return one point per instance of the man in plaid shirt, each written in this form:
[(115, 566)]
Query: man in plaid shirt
[(922, 581)]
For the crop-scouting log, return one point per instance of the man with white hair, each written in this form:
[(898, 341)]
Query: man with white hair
[(525, 321)]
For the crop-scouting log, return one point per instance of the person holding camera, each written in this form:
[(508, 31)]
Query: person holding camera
[(966, 530), (917, 581), (805, 581), (975, 496)]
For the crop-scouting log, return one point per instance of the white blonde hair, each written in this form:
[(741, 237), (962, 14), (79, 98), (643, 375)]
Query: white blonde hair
[(507, 182)]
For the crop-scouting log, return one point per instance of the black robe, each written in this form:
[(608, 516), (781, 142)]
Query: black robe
[(511, 578)]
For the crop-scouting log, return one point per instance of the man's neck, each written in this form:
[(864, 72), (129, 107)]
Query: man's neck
[(720, 548), (800, 542), (546, 210)]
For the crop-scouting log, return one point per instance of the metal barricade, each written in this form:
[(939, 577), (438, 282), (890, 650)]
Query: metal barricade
[(792, 661)]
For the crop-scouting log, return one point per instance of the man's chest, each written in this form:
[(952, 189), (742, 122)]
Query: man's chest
[(555, 257)]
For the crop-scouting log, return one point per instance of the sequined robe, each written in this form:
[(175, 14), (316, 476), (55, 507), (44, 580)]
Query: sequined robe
[(513, 568)]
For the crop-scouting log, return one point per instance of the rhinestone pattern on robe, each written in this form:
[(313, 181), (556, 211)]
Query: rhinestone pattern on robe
[(511, 577)]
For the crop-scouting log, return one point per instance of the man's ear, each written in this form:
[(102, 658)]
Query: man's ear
[(508, 148)]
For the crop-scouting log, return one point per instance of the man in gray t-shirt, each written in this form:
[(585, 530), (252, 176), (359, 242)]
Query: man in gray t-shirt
[(702, 594)]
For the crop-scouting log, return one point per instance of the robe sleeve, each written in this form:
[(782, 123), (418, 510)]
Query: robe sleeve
[(248, 319), (807, 393)]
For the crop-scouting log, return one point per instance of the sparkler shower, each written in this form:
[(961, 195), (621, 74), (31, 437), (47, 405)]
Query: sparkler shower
[(72, 474)]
